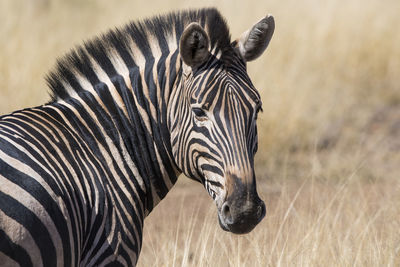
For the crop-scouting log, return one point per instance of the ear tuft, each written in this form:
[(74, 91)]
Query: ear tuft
[(193, 45), (253, 42)]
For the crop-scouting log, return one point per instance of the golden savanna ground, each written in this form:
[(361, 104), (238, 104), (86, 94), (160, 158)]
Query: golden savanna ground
[(328, 164)]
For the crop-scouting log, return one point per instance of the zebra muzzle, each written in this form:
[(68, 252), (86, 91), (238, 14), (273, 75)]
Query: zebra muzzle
[(241, 216)]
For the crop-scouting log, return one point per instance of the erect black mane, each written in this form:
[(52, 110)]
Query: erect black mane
[(78, 59)]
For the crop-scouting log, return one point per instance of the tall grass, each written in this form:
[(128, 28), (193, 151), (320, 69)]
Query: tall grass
[(308, 223), (329, 154)]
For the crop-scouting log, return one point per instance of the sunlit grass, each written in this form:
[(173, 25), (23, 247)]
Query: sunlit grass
[(308, 223), (329, 151)]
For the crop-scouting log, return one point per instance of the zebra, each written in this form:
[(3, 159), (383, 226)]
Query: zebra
[(130, 111)]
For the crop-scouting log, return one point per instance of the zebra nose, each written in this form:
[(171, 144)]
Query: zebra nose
[(241, 218)]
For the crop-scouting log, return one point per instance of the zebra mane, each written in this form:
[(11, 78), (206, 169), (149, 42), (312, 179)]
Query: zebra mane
[(98, 48)]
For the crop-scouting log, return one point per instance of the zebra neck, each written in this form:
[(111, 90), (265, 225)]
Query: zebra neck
[(127, 113), (153, 85)]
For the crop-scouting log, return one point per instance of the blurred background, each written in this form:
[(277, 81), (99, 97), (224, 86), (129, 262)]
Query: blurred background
[(329, 151)]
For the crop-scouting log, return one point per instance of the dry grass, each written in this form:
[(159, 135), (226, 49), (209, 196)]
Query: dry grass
[(329, 160), (308, 223)]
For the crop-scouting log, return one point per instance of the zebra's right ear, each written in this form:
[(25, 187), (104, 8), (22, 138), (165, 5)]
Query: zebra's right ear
[(253, 42), (193, 45)]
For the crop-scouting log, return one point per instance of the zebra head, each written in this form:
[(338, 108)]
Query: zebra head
[(213, 122)]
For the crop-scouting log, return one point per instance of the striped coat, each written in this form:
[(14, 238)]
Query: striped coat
[(130, 111)]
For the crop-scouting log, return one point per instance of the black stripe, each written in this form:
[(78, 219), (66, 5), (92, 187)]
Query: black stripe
[(13, 250)]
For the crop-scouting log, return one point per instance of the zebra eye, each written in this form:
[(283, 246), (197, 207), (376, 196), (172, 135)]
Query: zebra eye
[(199, 113)]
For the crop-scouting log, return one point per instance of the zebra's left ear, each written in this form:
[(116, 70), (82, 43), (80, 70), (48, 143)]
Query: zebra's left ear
[(254, 41), (193, 45)]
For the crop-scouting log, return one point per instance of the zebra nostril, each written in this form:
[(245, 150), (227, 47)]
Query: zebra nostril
[(226, 210)]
